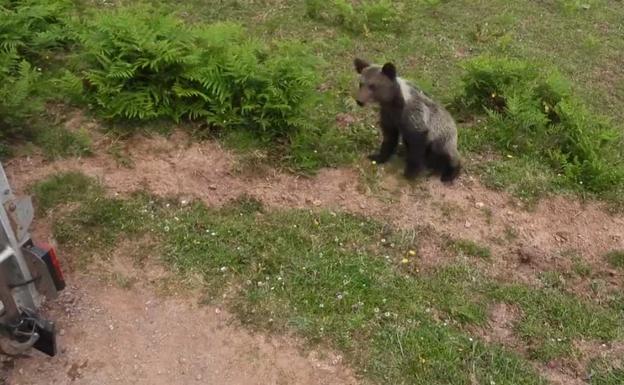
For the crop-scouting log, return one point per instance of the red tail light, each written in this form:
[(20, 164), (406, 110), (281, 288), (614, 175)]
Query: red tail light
[(54, 266)]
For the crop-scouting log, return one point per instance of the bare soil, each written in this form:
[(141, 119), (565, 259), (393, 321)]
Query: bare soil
[(174, 167), (137, 336), (117, 327)]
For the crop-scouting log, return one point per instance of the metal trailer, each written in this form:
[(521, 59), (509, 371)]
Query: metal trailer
[(29, 274)]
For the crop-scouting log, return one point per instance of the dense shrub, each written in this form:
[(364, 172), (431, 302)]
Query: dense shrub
[(18, 85), (535, 114), (142, 65), (30, 30), (360, 17), (33, 27)]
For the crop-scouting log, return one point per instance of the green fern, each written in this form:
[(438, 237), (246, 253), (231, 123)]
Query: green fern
[(18, 82), (33, 27), (143, 65)]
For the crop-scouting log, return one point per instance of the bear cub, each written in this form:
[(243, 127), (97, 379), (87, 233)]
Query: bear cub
[(427, 129)]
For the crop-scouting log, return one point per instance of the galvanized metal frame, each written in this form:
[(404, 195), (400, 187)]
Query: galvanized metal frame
[(15, 218)]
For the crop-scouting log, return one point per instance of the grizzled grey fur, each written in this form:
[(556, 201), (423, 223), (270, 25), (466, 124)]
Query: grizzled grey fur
[(427, 129)]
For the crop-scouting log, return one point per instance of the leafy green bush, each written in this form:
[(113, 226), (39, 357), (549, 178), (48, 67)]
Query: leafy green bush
[(33, 27), (29, 31), (365, 16), (18, 82), (536, 115), (142, 65)]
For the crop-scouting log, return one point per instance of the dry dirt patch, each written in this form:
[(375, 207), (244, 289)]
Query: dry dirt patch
[(174, 167), (133, 335)]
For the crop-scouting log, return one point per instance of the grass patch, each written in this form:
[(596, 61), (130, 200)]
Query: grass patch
[(342, 279), (67, 187), (534, 115), (606, 373), (470, 248), (58, 142), (552, 319), (615, 258), (359, 18)]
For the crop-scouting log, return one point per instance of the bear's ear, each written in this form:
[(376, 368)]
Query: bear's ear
[(360, 64), (389, 70)]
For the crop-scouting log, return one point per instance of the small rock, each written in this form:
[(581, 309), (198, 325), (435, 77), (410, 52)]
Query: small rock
[(111, 327), (317, 203), (218, 311), (212, 186), (62, 332), (467, 224), (198, 377), (479, 205)]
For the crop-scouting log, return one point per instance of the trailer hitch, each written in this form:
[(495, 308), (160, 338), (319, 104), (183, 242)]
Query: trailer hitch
[(30, 331)]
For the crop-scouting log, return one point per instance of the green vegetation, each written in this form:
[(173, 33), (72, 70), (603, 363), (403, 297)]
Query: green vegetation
[(375, 15), (329, 277), (57, 142), (470, 249), (534, 116), (67, 187), (552, 319), (605, 373), (140, 64), (616, 258), (32, 34), (17, 88), (555, 131)]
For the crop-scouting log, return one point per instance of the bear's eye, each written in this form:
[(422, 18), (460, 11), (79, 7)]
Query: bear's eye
[(361, 84), (371, 87)]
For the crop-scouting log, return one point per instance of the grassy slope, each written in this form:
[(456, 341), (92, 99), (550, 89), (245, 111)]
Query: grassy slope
[(584, 40), (324, 275), (346, 281)]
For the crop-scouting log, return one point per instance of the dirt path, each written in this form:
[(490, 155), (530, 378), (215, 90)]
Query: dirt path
[(172, 167), (133, 336), (111, 335)]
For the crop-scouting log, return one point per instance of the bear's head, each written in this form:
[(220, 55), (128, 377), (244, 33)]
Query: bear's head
[(378, 84)]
